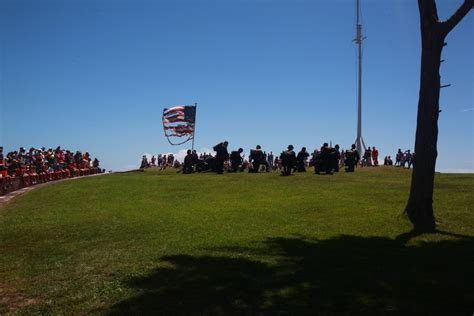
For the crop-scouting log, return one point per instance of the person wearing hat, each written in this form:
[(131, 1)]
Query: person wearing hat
[(288, 160)]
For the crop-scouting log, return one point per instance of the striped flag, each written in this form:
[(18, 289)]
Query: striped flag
[(179, 121)]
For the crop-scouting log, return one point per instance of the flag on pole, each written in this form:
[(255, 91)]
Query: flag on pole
[(179, 121)]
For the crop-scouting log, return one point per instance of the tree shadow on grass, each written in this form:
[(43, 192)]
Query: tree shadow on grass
[(343, 275)]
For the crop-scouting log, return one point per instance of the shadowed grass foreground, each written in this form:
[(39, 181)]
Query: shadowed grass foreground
[(346, 274), (247, 243)]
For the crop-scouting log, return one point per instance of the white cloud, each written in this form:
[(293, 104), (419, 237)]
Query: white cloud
[(467, 110)]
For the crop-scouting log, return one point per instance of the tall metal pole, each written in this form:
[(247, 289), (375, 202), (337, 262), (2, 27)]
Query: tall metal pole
[(359, 142), (194, 131)]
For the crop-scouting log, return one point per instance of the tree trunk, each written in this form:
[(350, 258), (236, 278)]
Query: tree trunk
[(433, 33), (420, 203)]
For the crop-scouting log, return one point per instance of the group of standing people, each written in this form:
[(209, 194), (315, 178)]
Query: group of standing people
[(404, 159), (370, 157), (160, 161)]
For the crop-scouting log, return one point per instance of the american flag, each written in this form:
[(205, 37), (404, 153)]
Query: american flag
[(179, 120)]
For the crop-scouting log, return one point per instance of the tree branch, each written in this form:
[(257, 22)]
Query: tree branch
[(461, 12), (428, 11)]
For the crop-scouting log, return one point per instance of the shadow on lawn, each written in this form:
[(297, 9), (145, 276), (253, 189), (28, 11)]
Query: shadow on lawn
[(343, 275)]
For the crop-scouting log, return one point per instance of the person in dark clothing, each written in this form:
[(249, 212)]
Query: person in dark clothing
[(221, 156), (188, 162), (398, 158), (236, 160), (195, 160), (301, 160), (337, 158), (288, 160), (325, 160), (256, 158), (327, 153), (144, 163), (352, 158)]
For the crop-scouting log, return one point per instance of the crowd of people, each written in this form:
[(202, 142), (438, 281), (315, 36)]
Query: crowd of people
[(35, 165), (326, 159), (38, 165)]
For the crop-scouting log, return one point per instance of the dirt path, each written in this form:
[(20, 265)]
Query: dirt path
[(11, 300)]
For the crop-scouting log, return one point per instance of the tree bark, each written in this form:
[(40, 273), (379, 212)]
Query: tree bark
[(433, 33)]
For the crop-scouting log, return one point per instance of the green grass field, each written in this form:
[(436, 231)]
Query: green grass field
[(152, 242)]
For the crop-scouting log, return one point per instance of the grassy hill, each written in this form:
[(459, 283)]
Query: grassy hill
[(163, 242)]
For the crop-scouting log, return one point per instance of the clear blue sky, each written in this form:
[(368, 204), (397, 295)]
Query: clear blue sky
[(95, 75)]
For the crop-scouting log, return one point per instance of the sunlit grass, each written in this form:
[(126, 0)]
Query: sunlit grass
[(260, 243)]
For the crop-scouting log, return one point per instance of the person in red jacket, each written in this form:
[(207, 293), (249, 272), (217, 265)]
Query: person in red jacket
[(375, 156)]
